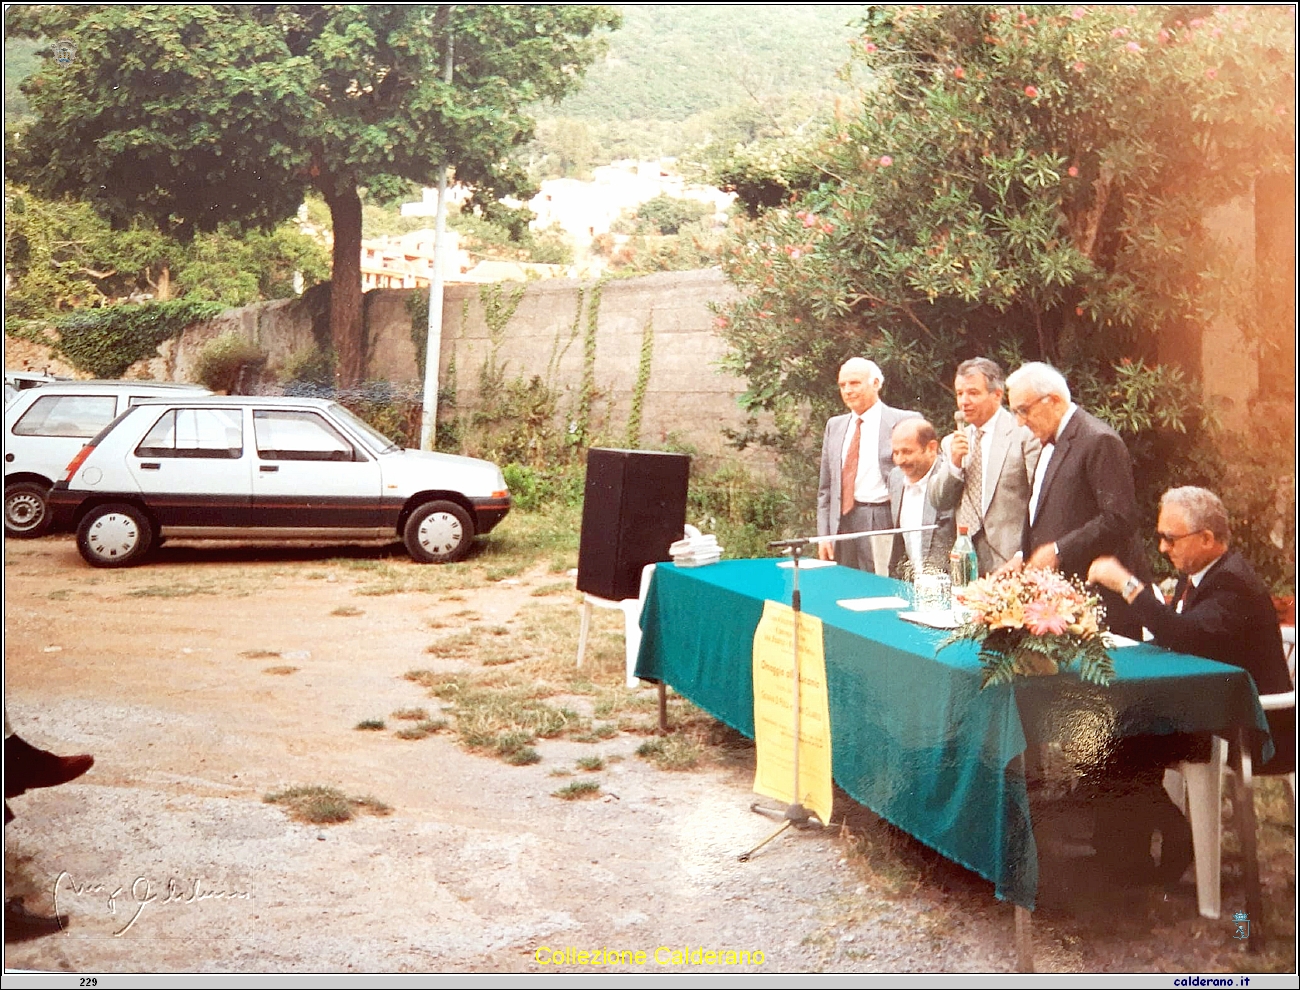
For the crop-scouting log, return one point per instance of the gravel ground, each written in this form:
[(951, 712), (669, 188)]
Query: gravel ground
[(165, 857)]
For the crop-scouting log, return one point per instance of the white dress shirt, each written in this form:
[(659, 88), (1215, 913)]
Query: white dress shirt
[(869, 485), (1044, 459), (910, 515)]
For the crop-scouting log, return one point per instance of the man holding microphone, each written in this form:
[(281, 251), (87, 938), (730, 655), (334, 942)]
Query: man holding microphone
[(988, 466)]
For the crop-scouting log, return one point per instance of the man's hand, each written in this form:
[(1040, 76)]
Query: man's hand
[(825, 551), (1013, 566), (1109, 573), (959, 449), (1044, 558)]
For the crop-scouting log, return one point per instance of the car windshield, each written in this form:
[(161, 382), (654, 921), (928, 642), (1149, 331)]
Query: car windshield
[(381, 442)]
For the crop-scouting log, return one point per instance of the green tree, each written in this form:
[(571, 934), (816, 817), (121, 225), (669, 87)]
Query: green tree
[(62, 255), (1022, 182), (200, 115)]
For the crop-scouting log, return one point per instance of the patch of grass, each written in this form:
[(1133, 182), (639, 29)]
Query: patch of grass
[(170, 591), (598, 733), (502, 571), (500, 713), (455, 645), (562, 564), (348, 610), (381, 588), (422, 729), (591, 763), (259, 654), (59, 595), (675, 752), (554, 588), (466, 614), (579, 790), (561, 772), (453, 598), (523, 757), (497, 630), (315, 575), (324, 805), (281, 671), (411, 714), (370, 725), (436, 624)]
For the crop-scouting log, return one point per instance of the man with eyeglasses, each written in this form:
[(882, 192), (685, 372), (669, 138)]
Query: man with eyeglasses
[(1082, 503), (1220, 610)]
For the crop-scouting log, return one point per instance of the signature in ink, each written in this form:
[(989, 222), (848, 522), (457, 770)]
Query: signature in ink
[(140, 894)]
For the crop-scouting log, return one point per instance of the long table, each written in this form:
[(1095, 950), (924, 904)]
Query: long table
[(914, 738)]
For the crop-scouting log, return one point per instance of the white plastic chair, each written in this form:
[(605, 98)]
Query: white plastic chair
[(631, 609), (1197, 789)]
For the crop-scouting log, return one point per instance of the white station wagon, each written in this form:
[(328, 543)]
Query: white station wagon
[(45, 426), (268, 468)]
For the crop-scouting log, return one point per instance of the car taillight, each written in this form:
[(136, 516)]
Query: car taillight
[(77, 461)]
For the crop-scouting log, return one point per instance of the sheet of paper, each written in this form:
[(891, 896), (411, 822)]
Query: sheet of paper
[(1115, 641), (935, 620), (806, 563), (872, 604)]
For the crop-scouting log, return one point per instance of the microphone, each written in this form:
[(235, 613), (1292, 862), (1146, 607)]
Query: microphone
[(965, 427)]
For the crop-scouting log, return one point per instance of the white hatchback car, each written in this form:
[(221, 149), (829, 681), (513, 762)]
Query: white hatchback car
[(46, 426), (268, 468)]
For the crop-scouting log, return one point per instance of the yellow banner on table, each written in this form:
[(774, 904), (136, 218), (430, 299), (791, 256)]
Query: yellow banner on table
[(774, 711)]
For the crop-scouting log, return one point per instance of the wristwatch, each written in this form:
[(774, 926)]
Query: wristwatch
[(1131, 588)]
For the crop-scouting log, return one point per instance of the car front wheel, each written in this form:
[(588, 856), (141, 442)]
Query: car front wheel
[(115, 535), (26, 512), (438, 533)]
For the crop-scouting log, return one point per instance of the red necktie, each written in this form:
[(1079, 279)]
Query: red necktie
[(849, 476)]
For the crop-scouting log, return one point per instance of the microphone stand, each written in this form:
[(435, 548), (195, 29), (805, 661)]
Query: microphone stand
[(795, 813)]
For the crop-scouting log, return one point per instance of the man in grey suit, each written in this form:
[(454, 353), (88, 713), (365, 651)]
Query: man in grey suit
[(911, 482), (988, 466), (857, 456)]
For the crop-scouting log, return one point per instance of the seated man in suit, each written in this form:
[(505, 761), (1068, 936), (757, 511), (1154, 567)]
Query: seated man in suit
[(917, 464), (1222, 611)]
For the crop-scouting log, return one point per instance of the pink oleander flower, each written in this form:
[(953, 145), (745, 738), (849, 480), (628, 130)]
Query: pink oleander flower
[(1031, 92), (868, 47), (1078, 13), (886, 161), (1211, 73), (1133, 46), (1072, 171)]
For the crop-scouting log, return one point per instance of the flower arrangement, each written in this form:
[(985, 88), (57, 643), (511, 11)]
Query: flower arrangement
[(1032, 623)]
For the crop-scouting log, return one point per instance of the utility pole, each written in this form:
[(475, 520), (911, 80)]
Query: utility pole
[(433, 346)]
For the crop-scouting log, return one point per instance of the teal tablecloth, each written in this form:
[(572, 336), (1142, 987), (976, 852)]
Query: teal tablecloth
[(913, 737)]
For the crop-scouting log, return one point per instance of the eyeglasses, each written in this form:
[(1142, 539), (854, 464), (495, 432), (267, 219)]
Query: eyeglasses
[(1021, 412), (1171, 539)]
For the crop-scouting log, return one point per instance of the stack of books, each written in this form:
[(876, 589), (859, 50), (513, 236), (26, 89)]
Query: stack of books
[(696, 551)]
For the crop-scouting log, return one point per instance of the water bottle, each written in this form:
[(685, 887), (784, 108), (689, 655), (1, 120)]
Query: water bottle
[(964, 566)]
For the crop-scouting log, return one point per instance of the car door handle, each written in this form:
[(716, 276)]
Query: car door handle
[(149, 466), (268, 467)]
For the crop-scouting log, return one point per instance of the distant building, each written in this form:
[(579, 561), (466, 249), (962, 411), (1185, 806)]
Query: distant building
[(585, 209), (406, 261)]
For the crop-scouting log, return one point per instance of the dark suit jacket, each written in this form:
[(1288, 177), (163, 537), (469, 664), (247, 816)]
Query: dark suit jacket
[(1229, 618), (936, 544), (1088, 508)]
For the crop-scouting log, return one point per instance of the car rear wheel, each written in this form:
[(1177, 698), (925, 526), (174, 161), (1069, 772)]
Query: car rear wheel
[(26, 512), (438, 533), (114, 535)]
